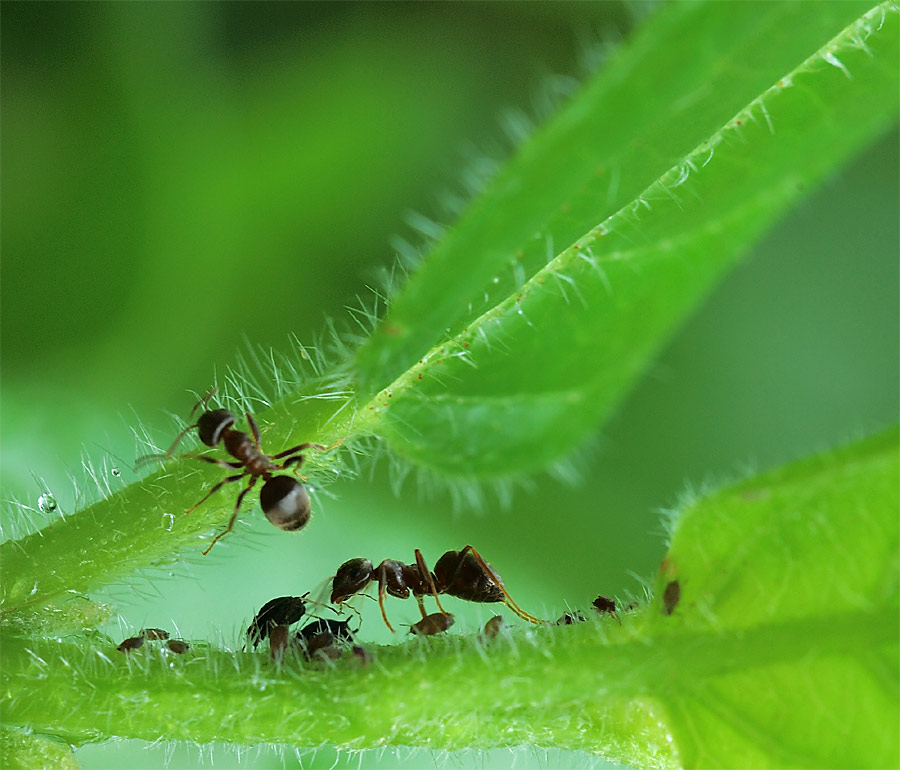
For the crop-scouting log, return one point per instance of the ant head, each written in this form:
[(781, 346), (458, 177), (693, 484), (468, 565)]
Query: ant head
[(212, 424), (352, 576), (285, 502)]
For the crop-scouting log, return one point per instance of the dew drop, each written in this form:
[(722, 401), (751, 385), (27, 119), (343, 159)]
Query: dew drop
[(116, 472), (47, 503), (496, 279), (168, 521)]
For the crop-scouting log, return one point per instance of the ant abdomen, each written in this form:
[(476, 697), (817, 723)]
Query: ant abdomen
[(464, 578), (213, 424), (285, 502)]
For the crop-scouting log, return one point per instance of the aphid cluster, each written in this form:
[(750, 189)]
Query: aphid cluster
[(283, 499), (319, 639), (463, 574), (153, 635)]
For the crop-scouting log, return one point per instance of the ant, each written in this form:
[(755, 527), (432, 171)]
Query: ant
[(463, 574), (283, 499)]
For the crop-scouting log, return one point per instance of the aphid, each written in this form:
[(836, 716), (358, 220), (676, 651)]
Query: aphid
[(339, 629), (362, 655), (603, 604), (178, 645), (494, 626), (322, 646), (279, 640), (283, 611), (132, 643), (154, 634), (435, 623), (463, 574), (283, 499), (571, 618), (671, 595)]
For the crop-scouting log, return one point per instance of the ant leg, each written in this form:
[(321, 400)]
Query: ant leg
[(214, 461), (231, 521), (495, 578), (382, 584), (215, 489), (296, 460), (254, 428), (426, 573), (299, 448)]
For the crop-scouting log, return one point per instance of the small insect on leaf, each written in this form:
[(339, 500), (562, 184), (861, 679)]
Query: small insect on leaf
[(435, 623), (154, 634), (282, 611), (131, 644), (671, 597)]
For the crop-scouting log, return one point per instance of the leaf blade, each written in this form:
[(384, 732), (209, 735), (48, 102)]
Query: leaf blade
[(528, 379)]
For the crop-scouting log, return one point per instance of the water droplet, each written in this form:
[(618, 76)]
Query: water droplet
[(47, 503), (496, 279), (116, 472), (168, 521)]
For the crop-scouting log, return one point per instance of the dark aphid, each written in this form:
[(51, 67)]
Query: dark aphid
[(339, 629), (603, 604), (463, 574), (283, 499), (154, 634), (283, 611), (178, 645), (494, 626), (671, 596), (362, 655), (435, 623), (279, 641), (322, 646), (571, 618), (132, 643)]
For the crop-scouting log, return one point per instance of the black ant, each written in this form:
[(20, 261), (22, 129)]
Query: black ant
[(283, 499), (463, 574)]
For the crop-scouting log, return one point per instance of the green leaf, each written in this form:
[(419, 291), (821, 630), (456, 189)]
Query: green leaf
[(540, 362), (798, 566), (530, 319), (21, 751), (781, 651)]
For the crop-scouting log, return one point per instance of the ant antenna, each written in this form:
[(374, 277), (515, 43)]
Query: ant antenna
[(509, 601), (204, 402)]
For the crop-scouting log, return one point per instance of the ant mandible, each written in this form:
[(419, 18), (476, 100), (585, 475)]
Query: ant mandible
[(463, 574), (283, 499)]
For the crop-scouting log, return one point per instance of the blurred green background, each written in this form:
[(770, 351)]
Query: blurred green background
[(181, 178)]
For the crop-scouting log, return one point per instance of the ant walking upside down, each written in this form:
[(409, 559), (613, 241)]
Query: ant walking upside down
[(464, 574), (283, 499)]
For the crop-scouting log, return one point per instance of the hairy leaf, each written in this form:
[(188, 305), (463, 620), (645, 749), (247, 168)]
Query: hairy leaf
[(780, 649), (531, 318)]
